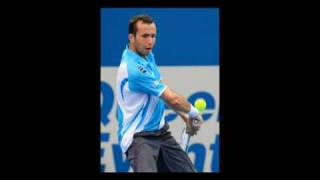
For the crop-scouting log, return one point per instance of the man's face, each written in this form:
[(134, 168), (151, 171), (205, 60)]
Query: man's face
[(145, 38)]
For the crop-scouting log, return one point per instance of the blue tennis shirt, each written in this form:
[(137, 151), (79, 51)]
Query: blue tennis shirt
[(138, 91)]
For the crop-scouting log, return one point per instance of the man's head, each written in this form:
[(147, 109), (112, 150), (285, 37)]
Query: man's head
[(142, 34)]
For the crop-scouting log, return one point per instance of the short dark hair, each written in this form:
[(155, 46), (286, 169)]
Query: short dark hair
[(133, 22)]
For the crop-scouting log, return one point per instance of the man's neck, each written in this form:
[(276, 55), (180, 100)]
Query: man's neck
[(132, 48)]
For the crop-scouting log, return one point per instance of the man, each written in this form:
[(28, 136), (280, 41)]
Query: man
[(141, 96)]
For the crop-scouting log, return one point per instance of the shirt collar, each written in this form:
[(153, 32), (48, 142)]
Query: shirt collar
[(129, 52)]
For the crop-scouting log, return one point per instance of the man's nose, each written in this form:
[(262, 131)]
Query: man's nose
[(150, 40)]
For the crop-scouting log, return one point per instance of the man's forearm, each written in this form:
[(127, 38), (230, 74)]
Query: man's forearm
[(191, 128), (175, 101), (180, 104), (183, 115)]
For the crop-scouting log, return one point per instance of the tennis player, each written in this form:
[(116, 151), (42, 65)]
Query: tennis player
[(141, 96)]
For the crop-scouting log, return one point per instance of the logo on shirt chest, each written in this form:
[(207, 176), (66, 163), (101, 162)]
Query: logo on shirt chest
[(141, 69)]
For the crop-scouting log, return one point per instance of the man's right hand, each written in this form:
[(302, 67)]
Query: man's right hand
[(193, 125)]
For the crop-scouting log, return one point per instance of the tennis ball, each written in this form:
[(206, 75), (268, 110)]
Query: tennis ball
[(200, 104)]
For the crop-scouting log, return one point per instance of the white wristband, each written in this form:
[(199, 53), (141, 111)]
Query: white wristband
[(193, 112)]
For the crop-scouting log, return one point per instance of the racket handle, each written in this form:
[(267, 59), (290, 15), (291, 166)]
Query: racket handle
[(185, 139)]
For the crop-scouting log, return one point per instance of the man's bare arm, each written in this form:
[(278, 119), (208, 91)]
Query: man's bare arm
[(175, 101), (191, 129)]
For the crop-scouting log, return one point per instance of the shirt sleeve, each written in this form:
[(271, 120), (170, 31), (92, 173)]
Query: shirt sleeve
[(144, 81)]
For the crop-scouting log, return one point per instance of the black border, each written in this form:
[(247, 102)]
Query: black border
[(190, 4)]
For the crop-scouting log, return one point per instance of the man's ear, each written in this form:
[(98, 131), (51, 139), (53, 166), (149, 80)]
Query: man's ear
[(131, 38)]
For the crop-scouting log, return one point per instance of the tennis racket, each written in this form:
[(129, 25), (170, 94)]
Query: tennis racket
[(185, 137)]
